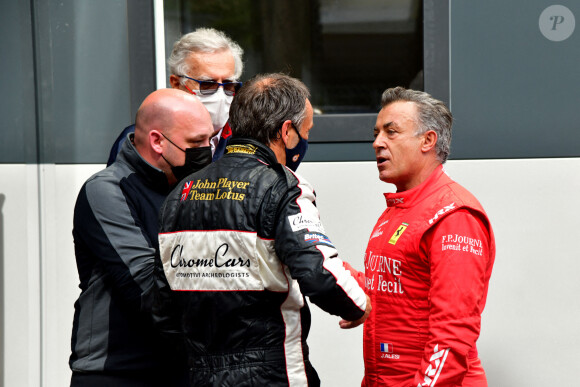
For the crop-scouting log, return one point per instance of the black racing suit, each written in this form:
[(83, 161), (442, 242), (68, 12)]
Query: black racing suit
[(242, 245)]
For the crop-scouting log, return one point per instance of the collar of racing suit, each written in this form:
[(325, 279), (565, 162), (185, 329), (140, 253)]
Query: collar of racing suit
[(248, 146), (408, 198)]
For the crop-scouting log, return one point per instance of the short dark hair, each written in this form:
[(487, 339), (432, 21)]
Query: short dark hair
[(432, 115), (263, 104)]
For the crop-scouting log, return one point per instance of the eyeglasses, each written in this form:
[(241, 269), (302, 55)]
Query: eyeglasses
[(210, 87)]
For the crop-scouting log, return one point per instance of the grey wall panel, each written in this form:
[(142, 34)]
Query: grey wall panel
[(342, 137), (90, 96), (141, 52), (73, 74), (17, 101), (514, 92), (343, 127), (436, 48)]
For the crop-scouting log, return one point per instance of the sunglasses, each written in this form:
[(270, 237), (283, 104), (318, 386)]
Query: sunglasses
[(210, 87)]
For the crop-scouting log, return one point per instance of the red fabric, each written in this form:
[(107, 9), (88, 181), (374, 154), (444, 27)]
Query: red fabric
[(226, 131), (475, 377), (358, 275), (427, 267)]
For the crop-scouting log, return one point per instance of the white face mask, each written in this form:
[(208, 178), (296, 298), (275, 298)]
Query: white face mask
[(218, 106)]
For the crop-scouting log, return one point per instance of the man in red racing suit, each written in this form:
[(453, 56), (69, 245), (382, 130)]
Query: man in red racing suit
[(428, 260)]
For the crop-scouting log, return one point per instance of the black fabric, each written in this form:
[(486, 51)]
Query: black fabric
[(248, 369), (239, 337), (115, 236), (116, 148), (141, 379)]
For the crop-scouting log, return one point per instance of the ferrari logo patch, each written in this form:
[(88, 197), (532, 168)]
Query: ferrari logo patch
[(398, 233)]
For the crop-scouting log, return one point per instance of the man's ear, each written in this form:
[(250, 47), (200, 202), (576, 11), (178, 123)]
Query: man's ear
[(174, 81), (155, 138), (279, 144), (285, 132), (429, 141)]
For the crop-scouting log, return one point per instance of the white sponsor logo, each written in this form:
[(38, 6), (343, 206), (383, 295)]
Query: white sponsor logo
[(383, 273), (437, 361), (210, 261), (312, 238), (301, 221), (441, 212), (462, 243), (377, 233)]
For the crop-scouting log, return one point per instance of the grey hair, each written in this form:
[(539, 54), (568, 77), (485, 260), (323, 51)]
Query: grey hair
[(432, 115), (203, 40), (264, 103)]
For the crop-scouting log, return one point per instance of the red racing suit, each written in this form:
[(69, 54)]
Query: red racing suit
[(427, 268)]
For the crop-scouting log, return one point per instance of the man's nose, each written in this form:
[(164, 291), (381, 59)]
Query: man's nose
[(378, 142)]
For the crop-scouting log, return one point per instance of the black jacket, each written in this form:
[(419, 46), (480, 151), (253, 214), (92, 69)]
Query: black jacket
[(241, 244), (115, 235)]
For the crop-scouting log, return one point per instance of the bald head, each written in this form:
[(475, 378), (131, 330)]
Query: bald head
[(163, 108), (170, 114)]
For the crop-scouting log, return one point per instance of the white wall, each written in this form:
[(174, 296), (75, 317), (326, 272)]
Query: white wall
[(38, 272), (530, 330), (20, 269)]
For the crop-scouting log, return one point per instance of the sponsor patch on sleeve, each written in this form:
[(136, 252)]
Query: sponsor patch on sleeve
[(313, 238), (303, 221)]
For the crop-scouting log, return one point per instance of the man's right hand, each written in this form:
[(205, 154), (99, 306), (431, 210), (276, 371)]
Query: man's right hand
[(345, 324)]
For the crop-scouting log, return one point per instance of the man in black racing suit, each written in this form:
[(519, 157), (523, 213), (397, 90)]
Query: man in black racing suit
[(242, 245)]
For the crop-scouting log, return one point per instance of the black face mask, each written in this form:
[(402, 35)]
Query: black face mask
[(295, 155), (195, 159)]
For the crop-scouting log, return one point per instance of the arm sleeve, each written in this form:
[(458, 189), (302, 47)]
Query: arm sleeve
[(457, 249), (358, 275), (111, 243), (166, 308), (301, 244)]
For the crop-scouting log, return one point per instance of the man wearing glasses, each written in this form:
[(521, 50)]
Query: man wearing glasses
[(206, 63)]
